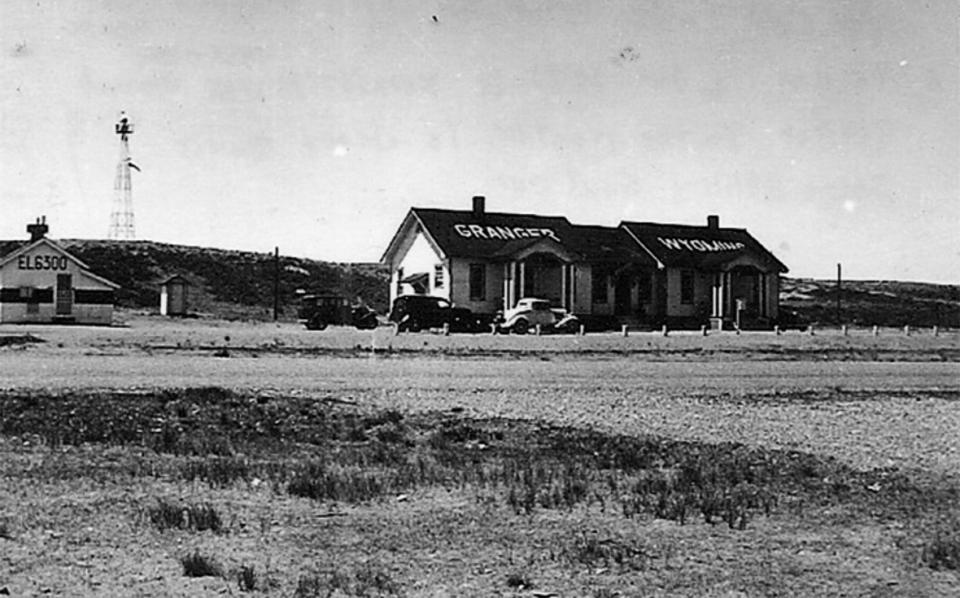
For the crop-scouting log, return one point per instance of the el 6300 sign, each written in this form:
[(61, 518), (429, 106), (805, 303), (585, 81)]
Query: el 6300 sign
[(42, 262)]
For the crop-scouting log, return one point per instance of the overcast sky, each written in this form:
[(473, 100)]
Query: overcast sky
[(828, 129)]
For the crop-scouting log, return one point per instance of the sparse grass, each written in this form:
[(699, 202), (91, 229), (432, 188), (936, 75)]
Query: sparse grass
[(369, 579), (943, 551), (247, 578), (511, 473), (328, 451), (167, 515), (198, 565), (519, 580), (6, 529), (595, 550)]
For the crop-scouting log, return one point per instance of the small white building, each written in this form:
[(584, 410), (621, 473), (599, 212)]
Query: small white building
[(41, 282), (174, 296)]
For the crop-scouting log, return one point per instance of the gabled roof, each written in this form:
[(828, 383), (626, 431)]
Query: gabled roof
[(497, 235), (30, 246), (454, 231), (700, 247), (463, 233)]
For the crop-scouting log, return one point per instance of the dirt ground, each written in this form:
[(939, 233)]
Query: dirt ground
[(887, 402)]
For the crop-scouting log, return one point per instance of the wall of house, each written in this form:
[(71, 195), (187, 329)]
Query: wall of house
[(582, 276), (38, 270), (604, 308), (419, 257), (702, 289), (99, 314), (460, 289), (773, 295)]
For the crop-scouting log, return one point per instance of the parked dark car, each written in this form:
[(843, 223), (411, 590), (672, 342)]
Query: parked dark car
[(319, 311), (790, 319), (416, 312)]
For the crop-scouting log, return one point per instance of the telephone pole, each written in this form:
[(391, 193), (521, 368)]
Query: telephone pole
[(839, 289)]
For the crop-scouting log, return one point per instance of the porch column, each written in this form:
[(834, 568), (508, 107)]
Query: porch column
[(506, 286), (726, 293), (523, 280), (718, 295), (564, 294)]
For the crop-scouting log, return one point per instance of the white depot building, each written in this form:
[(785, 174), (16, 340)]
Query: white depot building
[(41, 282), (640, 273)]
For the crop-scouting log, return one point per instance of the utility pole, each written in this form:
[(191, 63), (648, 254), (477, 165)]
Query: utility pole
[(276, 283), (839, 289)]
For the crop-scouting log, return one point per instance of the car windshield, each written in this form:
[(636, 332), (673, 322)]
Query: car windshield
[(539, 305)]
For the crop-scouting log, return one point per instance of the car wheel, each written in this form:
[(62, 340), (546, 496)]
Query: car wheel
[(316, 324), (521, 327)]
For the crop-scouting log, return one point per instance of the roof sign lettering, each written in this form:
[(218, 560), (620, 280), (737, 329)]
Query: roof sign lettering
[(504, 233), (700, 244)]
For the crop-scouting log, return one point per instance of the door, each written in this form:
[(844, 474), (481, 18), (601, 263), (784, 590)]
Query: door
[(64, 294)]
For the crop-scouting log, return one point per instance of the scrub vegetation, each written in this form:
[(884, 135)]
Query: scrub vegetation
[(286, 494)]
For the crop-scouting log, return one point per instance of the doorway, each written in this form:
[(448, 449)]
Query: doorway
[(64, 294)]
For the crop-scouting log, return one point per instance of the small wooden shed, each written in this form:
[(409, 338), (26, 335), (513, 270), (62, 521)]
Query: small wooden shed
[(174, 296)]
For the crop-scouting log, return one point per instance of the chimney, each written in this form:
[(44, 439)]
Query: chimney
[(39, 229), (713, 221), (478, 205)]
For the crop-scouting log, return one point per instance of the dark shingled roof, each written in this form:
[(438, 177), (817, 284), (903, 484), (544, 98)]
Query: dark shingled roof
[(700, 247), (499, 235), (591, 243), (440, 224), (609, 244)]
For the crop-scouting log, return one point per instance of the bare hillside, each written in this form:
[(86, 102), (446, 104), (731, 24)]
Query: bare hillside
[(873, 302), (226, 283)]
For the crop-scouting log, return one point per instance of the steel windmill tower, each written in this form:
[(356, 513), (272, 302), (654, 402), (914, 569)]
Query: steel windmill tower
[(121, 218)]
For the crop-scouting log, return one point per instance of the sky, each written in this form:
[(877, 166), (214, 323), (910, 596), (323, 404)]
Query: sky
[(828, 129)]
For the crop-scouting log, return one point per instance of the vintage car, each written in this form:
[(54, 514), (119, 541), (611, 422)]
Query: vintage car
[(319, 311), (415, 312), (530, 312)]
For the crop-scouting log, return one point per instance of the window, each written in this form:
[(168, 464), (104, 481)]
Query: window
[(600, 283), (478, 282), (686, 287), (399, 281), (26, 292), (438, 276)]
